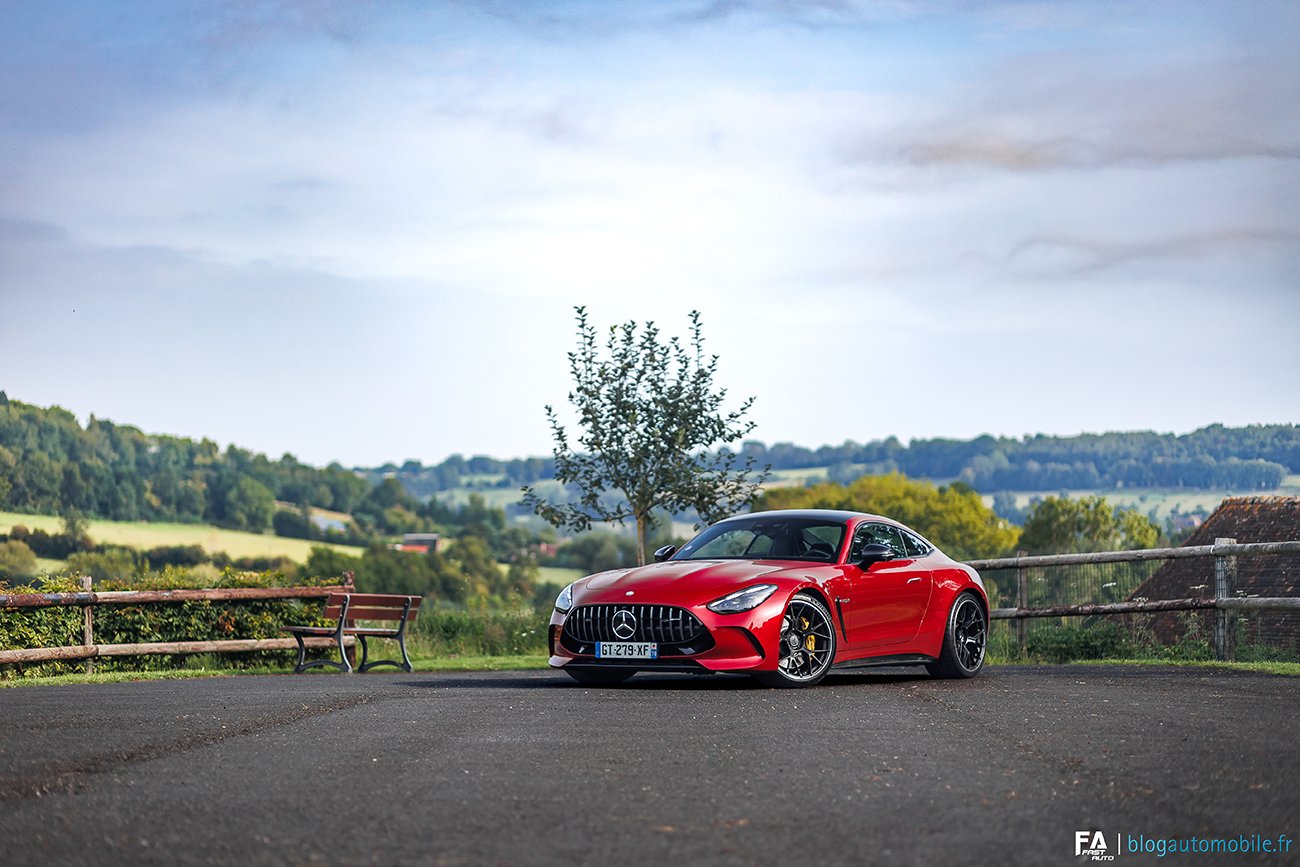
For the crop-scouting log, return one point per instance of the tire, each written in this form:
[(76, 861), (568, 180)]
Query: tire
[(965, 640), (598, 677), (807, 645)]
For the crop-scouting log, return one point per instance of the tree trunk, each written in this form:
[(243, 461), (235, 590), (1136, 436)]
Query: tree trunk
[(641, 522)]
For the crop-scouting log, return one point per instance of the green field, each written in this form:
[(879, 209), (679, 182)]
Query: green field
[(145, 535), (1162, 500), (795, 478), (556, 575)]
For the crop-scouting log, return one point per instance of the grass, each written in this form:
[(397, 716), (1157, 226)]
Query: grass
[(795, 478), (1162, 500), (558, 575), (1286, 669), (453, 663), (145, 535), (497, 498), (44, 565)]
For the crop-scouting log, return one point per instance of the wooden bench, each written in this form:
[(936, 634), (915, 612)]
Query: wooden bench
[(349, 610)]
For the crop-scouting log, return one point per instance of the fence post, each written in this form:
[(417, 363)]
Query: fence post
[(1225, 622), (1022, 601), (88, 625)]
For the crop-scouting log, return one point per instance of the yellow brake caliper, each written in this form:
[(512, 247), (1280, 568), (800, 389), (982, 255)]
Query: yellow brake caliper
[(809, 641)]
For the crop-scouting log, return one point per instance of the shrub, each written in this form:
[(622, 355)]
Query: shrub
[(440, 632), (1066, 643), (176, 555), (17, 561)]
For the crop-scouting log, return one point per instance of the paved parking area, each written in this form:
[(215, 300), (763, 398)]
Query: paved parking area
[(529, 768)]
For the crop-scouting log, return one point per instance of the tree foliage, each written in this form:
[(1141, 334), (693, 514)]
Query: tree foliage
[(17, 561), (952, 517), (1216, 457), (1060, 525), (50, 464), (648, 416)]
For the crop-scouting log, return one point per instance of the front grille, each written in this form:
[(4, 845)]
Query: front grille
[(662, 624)]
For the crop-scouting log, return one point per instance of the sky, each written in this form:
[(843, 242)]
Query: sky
[(356, 232)]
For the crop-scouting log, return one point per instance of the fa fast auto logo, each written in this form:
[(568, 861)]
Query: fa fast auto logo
[(1092, 844)]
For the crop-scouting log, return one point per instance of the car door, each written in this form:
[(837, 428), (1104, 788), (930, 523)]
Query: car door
[(889, 598)]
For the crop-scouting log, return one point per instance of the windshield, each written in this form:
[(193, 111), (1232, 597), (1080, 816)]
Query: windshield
[(760, 538)]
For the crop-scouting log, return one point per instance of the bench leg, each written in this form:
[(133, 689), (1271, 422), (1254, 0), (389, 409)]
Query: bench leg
[(343, 651), (302, 655), (406, 660), (404, 665), (303, 664)]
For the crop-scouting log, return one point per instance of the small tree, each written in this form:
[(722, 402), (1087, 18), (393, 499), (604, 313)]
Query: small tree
[(649, 419), (1060, 525)]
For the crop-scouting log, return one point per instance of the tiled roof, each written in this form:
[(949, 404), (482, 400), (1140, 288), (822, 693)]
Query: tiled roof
[(1244, 519)]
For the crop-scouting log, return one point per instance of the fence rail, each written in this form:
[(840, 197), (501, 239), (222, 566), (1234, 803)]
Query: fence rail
[(1225, 603), (1227, 549), (88, 599)]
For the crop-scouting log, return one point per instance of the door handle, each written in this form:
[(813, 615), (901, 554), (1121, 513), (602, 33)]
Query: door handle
[(913, 580)]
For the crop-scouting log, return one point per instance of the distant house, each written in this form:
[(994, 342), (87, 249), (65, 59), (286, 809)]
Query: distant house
[(325, 523), (421, 543), (1245, 519)]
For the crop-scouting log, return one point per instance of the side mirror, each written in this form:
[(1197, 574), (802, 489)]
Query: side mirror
[(874, 553), (665, 552)]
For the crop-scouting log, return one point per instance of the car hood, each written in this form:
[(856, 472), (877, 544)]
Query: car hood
[(683, 582)]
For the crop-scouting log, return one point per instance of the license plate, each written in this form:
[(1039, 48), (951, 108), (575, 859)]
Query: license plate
[(627, 650)]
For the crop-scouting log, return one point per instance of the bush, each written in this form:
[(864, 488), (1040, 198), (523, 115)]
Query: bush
[(176, 555), (56, 546), (1066, 643), (440, 632), (293, 524), (107, 563), (17, 561)]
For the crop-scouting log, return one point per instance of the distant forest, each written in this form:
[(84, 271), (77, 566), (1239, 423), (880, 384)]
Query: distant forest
[(1258, 457), (51, 464)]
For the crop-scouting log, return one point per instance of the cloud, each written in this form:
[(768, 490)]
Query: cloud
[(1060, 256), (299, 219), (1033, 110)]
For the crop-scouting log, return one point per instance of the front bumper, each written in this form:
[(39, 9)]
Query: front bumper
[(745, 641)]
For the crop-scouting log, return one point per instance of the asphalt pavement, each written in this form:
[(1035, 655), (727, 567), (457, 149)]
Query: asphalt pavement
[(530, 768)]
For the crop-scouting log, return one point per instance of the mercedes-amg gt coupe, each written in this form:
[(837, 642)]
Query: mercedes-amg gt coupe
[(783, 596)]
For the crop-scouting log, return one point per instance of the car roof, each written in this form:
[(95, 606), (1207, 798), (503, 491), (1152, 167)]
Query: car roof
[(812, 514)]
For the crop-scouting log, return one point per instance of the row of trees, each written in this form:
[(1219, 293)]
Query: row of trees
[(955, 518), (1215, 457), (50, 464), (465, 572)]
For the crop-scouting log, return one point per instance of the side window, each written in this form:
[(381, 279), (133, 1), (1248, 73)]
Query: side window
[(915, 547), (881, 534)]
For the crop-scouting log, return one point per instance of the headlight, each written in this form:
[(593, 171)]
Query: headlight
[(564, 601), (743, 600)]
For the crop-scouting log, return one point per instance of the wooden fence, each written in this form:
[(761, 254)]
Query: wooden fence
[(88, 599), (1225, 603)]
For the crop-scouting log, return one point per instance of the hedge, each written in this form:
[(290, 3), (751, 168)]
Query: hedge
[(61, 626)]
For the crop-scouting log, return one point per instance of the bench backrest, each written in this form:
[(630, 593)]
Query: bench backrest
[(371, 606)]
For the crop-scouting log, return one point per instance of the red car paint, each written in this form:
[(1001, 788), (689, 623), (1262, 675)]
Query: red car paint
[(891, 612)]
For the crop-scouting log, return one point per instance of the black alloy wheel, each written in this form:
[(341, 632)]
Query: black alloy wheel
[(807, 644), (964, 641)]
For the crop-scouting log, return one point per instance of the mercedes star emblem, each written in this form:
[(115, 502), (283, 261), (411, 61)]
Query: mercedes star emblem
[(624, 623)]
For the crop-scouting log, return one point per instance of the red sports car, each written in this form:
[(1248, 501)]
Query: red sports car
[(783, 596)]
